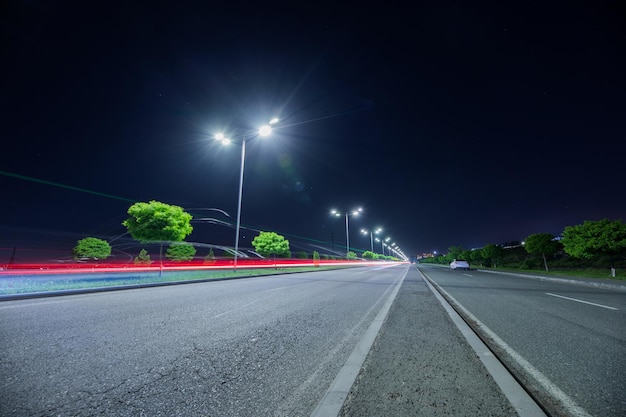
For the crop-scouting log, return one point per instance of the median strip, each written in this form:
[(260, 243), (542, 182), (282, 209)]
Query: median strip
[(333, 400)]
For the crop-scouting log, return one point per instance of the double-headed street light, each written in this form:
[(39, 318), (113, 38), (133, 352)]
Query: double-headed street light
[(372, 232), (347, 214), (263, 131), (382, 243)]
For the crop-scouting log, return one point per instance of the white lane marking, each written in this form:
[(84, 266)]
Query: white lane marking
[(468, 275), (581, 301)]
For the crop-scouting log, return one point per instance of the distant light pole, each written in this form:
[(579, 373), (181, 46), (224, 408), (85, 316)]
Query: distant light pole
[(372, 232), (263, 131), (347, 214), (382, 244)]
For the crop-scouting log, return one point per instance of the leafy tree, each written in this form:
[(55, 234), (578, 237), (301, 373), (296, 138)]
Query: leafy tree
[(271, 244), (351, 255), (92, 248), (542, 243), (316, 258), (467, 255), (595, 238), (143, 257), (368, 254), (454, 252), (302, 255), (492, 253), (156, 221), (180, 251)]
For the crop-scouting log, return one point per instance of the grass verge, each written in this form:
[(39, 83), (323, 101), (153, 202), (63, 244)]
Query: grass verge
[(38, 284)]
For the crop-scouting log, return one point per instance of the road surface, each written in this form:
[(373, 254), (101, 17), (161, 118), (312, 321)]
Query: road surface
[(265, 346)]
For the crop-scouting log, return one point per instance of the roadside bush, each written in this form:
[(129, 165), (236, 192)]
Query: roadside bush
[(530, 263), (143, 258), (210, 258), (92, 248)]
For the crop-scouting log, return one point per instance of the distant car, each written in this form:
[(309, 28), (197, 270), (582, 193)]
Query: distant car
[(459, 264)]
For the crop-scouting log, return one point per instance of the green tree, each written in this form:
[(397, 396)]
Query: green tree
[(316, 258), (92, 248), (180, 251), (368, 254), (492, 254), (542, 244), (467, 255), (158, 222), (595, 238), (351, 255), (271, 244), (302, 255), (454, 252), (142, 258), (476, 256)]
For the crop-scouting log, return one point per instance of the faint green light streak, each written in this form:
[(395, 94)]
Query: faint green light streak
[(84, 190), (68, 187)]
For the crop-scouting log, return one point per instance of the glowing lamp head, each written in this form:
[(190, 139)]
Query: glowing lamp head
[(222, 138), (265, 130)]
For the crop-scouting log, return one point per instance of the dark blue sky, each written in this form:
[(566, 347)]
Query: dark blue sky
[(450, 123)]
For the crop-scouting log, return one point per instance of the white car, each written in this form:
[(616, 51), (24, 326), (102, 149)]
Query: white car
[(459, 264)]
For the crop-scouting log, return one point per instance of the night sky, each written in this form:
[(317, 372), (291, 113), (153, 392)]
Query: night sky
[(449, 123)]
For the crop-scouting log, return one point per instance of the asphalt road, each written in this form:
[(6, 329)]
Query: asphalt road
[(249, 347), (574, 335)]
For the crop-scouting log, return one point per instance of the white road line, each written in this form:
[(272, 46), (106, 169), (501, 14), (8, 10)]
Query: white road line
[(468, 275), (581, 301)]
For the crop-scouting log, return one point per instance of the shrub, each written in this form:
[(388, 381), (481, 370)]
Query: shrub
[(142, 258), (92, 248), (210, 258)]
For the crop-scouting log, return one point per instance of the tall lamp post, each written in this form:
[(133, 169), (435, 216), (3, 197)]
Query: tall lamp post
[(263, 131), (347, 214), (372, 232)]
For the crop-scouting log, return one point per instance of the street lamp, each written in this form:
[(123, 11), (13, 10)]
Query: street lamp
[(382, 244), (347, 214), (372, 232), (263, 131)]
